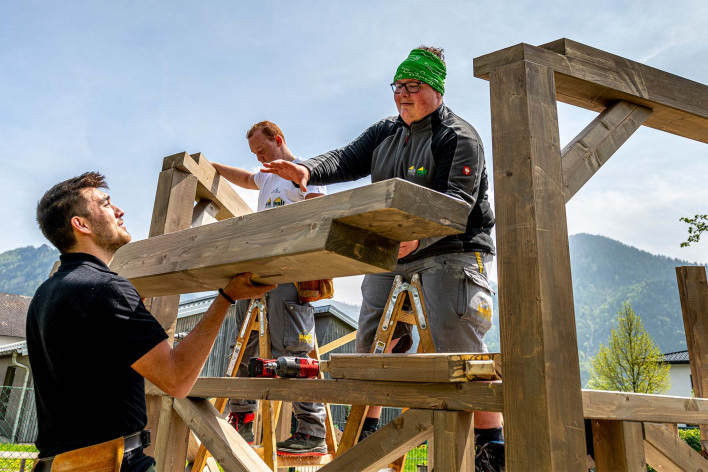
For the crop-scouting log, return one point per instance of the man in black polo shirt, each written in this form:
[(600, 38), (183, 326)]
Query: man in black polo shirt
[(90, 338)]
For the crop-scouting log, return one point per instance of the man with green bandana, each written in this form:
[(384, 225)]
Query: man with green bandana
[(429, 145)]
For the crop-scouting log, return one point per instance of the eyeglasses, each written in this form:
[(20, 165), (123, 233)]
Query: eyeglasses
[(411, 87)]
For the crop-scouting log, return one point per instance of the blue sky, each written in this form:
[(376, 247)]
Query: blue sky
[(116, 86)]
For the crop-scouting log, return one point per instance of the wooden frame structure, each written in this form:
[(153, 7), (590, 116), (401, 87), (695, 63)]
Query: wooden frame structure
[(358, 232)]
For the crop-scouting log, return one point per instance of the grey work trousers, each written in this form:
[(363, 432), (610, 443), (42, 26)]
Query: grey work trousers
[(292, 333), (457, 296)]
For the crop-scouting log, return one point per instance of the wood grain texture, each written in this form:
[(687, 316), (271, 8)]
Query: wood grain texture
[(619, 446), (210, 185), (669, 452), (693, 291), (222, 440), (468, 396), (642, 407), (594, 79), (595, 144), (400, 435), (538, 335), (453, 434), (291, 243), (448, 367)]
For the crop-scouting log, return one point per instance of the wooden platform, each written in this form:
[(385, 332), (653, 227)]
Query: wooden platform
[(347, 233)]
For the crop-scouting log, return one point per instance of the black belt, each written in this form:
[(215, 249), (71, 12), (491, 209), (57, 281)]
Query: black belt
[(130, 444)]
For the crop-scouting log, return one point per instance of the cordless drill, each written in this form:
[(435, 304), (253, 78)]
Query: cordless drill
[(288, 367)]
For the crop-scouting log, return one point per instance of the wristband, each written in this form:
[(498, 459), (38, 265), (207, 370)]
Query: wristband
[(228, 299)]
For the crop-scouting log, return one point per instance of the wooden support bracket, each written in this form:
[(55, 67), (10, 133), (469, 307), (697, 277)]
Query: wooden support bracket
[(665, 451)]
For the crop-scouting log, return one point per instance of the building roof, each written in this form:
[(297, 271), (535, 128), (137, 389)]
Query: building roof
[(13, 314), (8, 349), (201, 304), (678, 357)]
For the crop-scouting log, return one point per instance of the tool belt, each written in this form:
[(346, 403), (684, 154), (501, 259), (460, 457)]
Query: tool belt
[(313, 290), (103, 457)]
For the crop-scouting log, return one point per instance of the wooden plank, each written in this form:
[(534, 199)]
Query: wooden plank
[(172, 211), (468, 396), (352, 429), (428, 367), (539, 344), (675, 453), (204, 213), (211, 186), (222, 440), (590, 149), (642, 407), (619, 446), (338, 342), (453, 434), (693, 291), (291, 243), (594, 79), (387, 444)]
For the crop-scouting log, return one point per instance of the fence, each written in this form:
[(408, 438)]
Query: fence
[(18, 429)]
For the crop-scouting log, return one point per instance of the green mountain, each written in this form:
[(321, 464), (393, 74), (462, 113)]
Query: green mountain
[(23, 269), (605, 274)]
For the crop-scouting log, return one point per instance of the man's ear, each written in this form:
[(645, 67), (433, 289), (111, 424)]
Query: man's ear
[(278, 140), (80, 224)]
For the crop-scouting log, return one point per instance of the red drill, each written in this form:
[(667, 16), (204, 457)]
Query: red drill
[(289, 367)]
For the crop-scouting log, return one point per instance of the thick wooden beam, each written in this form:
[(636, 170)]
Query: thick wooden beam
[(539, 344), (619, 446), (642, 407), (390, 442), (431, 367), (453, 435), (666, 451), (220, 438), (590, 149), (347, 233), (594, 79), (693, 291), (211, 186), (469, 396)]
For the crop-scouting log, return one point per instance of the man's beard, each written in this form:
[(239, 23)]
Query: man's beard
[(111, 241)]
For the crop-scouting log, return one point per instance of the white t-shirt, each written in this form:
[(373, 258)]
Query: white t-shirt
[(274, 191)]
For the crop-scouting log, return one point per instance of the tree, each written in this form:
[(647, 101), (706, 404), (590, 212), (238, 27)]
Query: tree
[(696, 225), (631, 362)]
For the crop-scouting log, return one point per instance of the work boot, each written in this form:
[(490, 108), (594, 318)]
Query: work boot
[(302, 445), (490, 457), (243, 424)]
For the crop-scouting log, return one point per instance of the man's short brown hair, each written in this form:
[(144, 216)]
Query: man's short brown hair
[(61, 203), (269, 130), (440, 52)]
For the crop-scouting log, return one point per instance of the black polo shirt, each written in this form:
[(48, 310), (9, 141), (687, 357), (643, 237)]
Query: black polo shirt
[(85, 327)]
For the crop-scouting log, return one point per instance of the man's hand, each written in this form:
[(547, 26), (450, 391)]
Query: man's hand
[(241, 287), (407, 247), (289, 171)]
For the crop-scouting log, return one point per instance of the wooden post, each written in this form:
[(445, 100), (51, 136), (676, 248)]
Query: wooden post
[(693, 291), (544, 426), (619, 446), (174, 201), (453, 434)]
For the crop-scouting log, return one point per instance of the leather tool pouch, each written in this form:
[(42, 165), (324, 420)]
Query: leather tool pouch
[(104, 457), (313, 290)]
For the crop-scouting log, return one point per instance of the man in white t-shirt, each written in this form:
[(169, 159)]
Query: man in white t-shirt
[(292, 324)]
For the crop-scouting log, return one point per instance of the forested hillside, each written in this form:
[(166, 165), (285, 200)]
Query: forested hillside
[(23, 269)]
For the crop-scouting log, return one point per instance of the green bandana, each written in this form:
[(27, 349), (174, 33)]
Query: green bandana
[(425, 66)]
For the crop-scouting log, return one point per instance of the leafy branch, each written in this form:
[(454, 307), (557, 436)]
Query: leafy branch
[(696, 226)]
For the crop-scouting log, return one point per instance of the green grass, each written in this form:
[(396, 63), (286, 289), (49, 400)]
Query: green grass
[(14, 464)]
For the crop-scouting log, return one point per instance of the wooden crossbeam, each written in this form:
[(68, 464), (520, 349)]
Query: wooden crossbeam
[(429, 367), (347, 233), (693, 291), (399, 436), (642, 407), (224, 443), (619, 446), (468, 396), (337, 343), (665, 451), (211, 186), (594, 79), (590, 149)]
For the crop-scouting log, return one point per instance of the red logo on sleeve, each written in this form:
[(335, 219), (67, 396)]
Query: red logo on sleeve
[(466, 170)]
